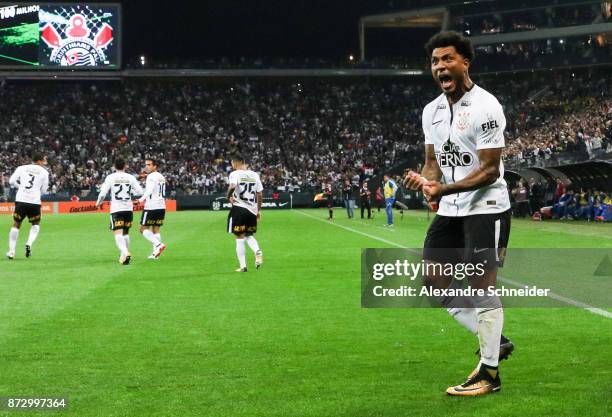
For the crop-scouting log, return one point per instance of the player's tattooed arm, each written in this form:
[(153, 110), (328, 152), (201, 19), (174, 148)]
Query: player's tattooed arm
[(230, 193), (259, 196), (431, 171), (486, 173)]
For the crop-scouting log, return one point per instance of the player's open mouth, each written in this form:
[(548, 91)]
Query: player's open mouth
[(446, 81)]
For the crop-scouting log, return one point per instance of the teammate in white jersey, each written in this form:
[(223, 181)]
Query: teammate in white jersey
[(154, 212), (122, 187), (245, 192), (464, 175), (31, 181)]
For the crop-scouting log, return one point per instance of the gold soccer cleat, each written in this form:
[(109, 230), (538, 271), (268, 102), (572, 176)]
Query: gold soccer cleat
[(485, 381)]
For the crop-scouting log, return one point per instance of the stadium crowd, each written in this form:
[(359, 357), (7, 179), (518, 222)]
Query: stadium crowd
[(531, 19), (548, 53), (573, 117), (297, 135), (293, 134), (582, 50)]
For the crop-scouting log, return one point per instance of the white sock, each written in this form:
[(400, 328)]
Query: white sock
[(466, 317), (33, 234), (127, 241), (13, 236), (120, 241), (150, 237), (157, 236), (490, 324), (241, 252), (252, 242)]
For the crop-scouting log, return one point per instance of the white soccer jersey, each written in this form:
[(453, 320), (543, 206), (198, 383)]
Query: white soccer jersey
[(122, 187), (31, 181), (247, 183), (155, 192), (475, 122)]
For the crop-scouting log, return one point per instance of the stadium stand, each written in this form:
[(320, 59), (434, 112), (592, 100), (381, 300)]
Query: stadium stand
[(292, 133), (298, 134)]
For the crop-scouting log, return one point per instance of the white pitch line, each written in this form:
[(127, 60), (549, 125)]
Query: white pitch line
[(563, 299), (518, 284)]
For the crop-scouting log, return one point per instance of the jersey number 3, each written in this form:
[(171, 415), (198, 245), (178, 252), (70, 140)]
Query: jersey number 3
[(31, 182)]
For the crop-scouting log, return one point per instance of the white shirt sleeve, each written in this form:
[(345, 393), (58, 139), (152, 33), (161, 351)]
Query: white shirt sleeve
[(489, 127), (44, 186), (258, 185), (426, 123), (149, 187), (13, 180), (103, 191), (233, 179), (136, 188)]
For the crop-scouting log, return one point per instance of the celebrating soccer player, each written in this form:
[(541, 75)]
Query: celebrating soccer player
[(122, 187), (154, 212), (31, 181), (464, 139), (245, 192)]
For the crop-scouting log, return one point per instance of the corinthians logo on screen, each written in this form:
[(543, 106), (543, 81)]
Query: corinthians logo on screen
[(77, 44), (450, 155)]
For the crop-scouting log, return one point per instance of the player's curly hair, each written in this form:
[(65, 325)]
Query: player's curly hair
[(451, 38)]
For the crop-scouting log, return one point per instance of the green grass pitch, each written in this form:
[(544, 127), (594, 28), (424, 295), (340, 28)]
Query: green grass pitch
[(186, 336)]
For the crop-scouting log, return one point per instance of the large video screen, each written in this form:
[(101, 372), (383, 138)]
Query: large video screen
[(71, 36)]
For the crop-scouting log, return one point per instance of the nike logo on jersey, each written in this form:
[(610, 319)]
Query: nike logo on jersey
[(476, 250), (435, 123)]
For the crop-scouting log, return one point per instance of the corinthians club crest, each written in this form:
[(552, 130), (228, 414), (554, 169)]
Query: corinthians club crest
[(79, 46), (463, 120)]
